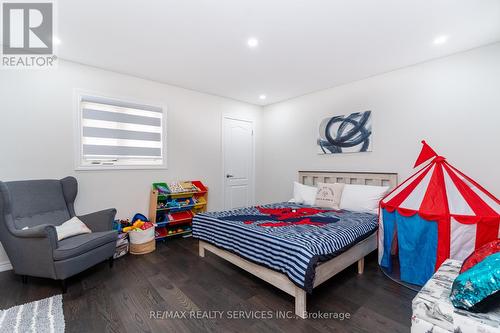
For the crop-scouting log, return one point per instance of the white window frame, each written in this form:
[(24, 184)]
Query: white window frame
[(81, 165)]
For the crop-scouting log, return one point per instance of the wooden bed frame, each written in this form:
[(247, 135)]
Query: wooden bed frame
[(324, 270)]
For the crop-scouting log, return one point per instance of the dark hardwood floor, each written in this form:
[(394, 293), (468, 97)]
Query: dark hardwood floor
[(174, 278)]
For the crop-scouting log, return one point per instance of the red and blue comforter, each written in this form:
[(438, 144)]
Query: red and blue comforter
[(289, 238)]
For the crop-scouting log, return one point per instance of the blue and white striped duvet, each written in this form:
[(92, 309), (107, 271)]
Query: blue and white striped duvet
[(294, 250)]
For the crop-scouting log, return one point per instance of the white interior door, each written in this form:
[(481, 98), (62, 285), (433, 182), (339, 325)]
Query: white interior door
[(238, 152)]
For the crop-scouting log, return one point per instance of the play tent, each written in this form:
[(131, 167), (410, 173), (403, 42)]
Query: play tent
[(437, 213)]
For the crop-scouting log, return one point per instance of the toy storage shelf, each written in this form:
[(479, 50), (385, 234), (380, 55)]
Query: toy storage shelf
[(172, 210)]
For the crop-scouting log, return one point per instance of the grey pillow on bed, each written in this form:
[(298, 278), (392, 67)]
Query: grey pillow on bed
[(329, 195)]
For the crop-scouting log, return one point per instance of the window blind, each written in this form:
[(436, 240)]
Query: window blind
[(117, 132)]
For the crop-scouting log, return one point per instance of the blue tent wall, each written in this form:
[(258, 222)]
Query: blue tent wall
[(389, 228), (417, 246)]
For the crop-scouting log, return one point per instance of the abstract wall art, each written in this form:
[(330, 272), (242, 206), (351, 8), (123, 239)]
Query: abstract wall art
[(350, 133)]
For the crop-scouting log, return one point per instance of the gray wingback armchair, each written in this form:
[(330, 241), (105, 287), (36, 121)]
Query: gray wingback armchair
[(40, 205)]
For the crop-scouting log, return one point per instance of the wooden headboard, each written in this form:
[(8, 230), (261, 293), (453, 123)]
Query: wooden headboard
[(362, 178)]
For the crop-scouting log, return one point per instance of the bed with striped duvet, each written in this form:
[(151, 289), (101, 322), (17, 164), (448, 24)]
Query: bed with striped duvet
[(288, 238)]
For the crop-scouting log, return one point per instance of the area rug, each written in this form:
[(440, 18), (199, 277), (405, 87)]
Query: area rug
[(41, 316)]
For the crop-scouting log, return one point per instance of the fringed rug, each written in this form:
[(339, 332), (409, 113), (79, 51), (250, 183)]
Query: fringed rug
[(41, 316)]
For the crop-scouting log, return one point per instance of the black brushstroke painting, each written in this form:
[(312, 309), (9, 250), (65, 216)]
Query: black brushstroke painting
[(346, 134)]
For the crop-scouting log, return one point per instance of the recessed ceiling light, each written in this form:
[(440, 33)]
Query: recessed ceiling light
[(262, 97), (253, 42), (440, 39), (56, 41)]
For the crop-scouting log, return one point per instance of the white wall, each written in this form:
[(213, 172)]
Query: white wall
[(36, 137), (452, 102)]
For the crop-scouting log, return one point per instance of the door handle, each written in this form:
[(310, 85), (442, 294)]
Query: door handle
[(229, 176)]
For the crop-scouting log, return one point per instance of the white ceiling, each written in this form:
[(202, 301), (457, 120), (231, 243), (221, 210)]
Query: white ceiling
[(304, 46)]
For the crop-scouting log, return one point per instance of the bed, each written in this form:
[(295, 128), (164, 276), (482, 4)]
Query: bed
[(294, 247)]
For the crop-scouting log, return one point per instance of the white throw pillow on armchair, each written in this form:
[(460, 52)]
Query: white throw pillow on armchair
[(72, 227)]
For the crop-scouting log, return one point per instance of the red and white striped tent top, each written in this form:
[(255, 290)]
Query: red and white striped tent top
[(468, 215)]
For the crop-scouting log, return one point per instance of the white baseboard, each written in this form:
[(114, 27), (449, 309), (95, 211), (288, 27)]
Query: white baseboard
[(5, 266)]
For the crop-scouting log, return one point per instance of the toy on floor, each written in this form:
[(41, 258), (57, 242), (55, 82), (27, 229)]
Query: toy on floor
[(140, 217), (140, 223), (137, 225)]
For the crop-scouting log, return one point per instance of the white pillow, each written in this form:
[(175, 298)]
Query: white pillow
[(304, 194), (362, 198), (72, 227)]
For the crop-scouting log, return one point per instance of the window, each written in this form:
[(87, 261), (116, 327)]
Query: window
[(113, 134)]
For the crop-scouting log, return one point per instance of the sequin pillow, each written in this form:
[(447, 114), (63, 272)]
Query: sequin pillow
[(480, 254), (477, 288)]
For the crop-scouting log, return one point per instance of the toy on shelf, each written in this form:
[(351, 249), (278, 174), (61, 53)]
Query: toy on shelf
[(175, 187), (173, 203), (173, 206), (199, 201), (163, 189), (188, 187)]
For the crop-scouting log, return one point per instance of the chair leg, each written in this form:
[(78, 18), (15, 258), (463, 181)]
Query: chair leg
[(24, 279), (64, 286), (111, 261)]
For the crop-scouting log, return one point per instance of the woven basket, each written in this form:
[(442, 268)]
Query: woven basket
[(144, 248), (141, 236)]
